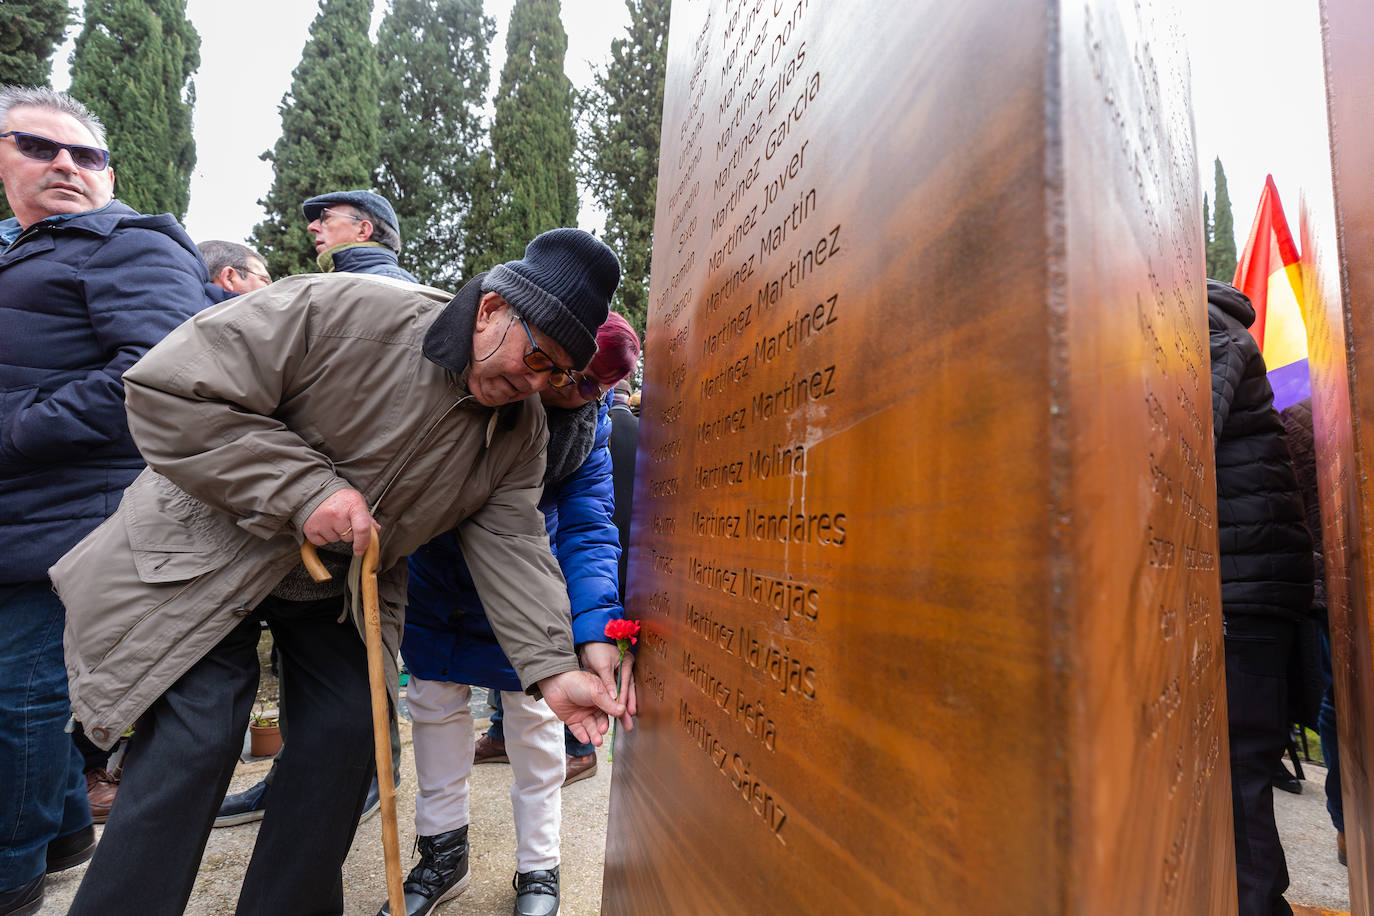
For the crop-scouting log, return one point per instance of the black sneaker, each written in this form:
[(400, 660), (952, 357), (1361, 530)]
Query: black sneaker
[(71, 850), (22, 900), (245, 806), (536, 893), (441, 874)]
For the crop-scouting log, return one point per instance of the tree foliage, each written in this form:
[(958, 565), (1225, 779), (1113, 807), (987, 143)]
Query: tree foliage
[(329, 131), (532, 138), (1221, 232), (30, 31), (623, 114), (434, 75), (132, 67)]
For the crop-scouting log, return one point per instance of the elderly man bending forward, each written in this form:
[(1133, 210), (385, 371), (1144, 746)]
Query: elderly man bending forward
[(316, 408)]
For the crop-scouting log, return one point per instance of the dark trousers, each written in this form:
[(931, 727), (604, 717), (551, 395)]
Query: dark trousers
[(1257, 699), (182, 757)]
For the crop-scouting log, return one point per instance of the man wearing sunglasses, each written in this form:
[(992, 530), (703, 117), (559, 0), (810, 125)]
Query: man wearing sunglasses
[(327, 407), (87, 286), (356, 232)]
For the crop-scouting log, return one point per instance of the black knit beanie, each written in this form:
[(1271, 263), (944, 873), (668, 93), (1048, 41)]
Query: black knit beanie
[(562, 286)]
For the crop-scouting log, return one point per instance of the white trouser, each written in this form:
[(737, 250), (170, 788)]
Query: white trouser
[(441, 714)]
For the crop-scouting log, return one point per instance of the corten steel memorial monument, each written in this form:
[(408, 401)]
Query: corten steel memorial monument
[(1338, 276), (925, 546)]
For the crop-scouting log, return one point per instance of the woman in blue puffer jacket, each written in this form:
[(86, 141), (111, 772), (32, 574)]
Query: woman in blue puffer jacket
[(449, 644)]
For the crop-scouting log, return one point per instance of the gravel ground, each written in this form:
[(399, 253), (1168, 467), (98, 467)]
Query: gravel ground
[(492, 835)]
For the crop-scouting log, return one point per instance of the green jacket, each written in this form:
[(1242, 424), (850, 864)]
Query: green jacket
[(252, 414)]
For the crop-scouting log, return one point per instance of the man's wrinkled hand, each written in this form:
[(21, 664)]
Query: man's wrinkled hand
[(343, 516), (581, 700)]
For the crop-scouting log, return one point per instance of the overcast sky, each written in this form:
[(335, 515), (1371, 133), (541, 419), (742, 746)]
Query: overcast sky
[(1256, 65), (1259, 101)]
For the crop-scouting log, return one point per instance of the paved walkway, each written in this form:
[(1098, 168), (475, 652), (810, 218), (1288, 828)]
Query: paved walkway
[(491, 834), (1317, 879)]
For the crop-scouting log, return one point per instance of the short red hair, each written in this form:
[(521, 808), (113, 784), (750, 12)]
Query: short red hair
[(617, 350)]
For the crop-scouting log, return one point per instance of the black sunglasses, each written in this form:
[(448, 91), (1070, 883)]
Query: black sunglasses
[(587, 386), (92, 158)]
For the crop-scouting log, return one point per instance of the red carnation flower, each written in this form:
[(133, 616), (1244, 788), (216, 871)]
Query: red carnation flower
[(620, 630)]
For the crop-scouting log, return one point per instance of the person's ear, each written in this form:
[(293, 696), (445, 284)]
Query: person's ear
[(365, 230), (226, 278), (489, 309)]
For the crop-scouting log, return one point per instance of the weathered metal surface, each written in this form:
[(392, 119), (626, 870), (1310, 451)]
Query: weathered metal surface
[(925, 545)]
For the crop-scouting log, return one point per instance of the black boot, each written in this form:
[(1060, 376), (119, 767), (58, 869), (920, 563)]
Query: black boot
[(441, 874), (536, 892)]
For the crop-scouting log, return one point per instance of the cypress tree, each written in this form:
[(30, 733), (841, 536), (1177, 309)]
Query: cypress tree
[(132, 66), (624, 114), (29, 33), (434, 75), (1221, 248), (532, 136), (328, 136), (482, 217), (1206, 229)]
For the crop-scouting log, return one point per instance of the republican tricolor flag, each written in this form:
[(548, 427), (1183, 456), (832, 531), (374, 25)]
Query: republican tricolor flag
[(1270, 274)]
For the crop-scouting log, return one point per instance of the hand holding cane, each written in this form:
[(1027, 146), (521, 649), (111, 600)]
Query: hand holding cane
[(381, 725)]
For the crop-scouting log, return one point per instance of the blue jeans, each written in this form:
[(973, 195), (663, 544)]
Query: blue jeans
[(1326, 727), (571, 745), (40, 767)]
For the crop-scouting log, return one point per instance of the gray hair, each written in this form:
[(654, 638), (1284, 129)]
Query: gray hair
[(382, 234), (39, 97), (219, 254)]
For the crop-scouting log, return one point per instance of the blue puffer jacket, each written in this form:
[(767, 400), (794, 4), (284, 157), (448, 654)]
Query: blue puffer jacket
[(447, 636), (369, 259), (81, 300)]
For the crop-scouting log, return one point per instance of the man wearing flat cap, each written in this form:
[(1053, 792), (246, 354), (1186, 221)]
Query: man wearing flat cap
[(356, 232), (323, 407)]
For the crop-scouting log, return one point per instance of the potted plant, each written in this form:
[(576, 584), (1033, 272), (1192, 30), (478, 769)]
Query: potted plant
[(264, 729)]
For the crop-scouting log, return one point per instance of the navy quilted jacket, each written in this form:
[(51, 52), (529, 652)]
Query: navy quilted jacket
[(81, 300), (447, 636), (1266, 553), (370, 259)]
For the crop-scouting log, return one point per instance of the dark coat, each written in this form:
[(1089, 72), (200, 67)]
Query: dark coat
[(624, 441), (81, 300), (447, 636), (371, 259), (1266, 554), (1297, 423)]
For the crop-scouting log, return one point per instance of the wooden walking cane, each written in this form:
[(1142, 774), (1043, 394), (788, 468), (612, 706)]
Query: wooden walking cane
[(381, 724)]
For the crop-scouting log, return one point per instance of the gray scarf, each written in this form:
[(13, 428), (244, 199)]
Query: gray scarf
[(572, 433)]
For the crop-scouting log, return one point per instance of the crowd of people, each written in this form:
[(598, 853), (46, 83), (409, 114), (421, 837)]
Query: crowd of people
[(174, 424)]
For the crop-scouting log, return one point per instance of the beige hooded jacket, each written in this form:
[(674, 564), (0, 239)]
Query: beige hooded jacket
[(250, 415)]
